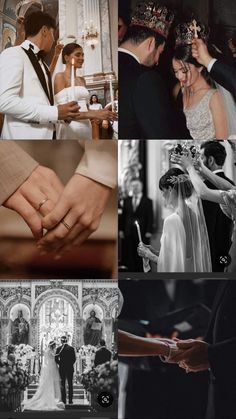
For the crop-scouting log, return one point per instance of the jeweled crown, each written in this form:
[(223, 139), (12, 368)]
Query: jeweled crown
[(185, 149), (152, 16), (185, 33)]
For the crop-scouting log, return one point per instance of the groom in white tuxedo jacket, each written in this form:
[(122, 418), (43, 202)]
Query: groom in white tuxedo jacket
[(26, 94)]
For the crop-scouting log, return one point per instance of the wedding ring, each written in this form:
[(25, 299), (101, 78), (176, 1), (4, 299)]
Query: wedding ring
[(66, 225), (42, 202)]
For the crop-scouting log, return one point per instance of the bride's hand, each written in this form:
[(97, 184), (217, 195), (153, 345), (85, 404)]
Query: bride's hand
[(106, 114), (144, 251)]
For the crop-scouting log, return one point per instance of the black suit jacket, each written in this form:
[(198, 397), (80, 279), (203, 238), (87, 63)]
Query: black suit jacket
[(145, 109), (143, 214), (102, 355), (65, 357), (225, 75), (219, 228), (221, 336)]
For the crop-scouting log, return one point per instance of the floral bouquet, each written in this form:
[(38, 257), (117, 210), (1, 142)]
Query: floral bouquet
[(87, 350), (22, 355), (12, 377), (102, 378)]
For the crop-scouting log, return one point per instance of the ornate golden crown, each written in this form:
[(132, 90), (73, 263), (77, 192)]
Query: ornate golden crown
[(185, 149), (185, 33), (151, 15)]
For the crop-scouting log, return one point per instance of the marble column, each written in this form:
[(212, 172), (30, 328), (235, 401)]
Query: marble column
[(108, 332)]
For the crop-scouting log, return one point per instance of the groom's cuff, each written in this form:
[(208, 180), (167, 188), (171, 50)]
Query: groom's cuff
[(15, 167), (48, 114), (210, 65)]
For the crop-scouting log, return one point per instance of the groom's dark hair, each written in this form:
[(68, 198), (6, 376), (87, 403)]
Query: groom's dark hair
[(137, 34), (36, 20), (215, 149)]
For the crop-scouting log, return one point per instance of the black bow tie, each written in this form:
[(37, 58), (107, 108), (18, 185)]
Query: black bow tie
[(40, 55)]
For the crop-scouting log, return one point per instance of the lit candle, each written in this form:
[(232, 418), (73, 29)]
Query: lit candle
[(73, 79), (111, 94), (138, 231)]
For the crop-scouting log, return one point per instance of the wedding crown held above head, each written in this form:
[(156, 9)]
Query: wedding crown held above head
[(185, 149), (151, 15), (185, 33), (26, 2)]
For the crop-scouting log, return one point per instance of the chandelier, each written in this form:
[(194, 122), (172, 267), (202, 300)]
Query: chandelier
[(90, 35)]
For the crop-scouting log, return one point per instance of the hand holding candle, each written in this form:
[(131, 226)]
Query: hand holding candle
[(73, 79), (111, 94), (138, 231)]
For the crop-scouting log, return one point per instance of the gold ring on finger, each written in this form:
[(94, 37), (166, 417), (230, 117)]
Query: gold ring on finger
[(65, 225), (42, 203)]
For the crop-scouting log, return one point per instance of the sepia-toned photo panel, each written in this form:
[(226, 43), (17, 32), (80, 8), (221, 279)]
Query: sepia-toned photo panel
[(58, 70), (58, 342), (177, 69), (176, 208), (58, 217)]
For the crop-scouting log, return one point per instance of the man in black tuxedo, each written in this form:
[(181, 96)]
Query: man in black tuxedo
[(222, 73), (145, 109), (137, 207), (217, 353), (219, 226), (65, 358), (102, 355)]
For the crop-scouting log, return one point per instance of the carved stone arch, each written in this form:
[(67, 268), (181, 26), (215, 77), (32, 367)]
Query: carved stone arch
[(111, 307), (56, 293), (1, 307), (12, 302), (99, 302)]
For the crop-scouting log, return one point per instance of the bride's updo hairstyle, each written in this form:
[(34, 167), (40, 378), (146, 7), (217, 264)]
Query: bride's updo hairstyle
[(69, 49), (177, 180), (52, 344)]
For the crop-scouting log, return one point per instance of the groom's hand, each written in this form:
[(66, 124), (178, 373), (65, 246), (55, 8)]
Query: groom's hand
[(37, 195), (194, 355), (76, 215), (68, 111)]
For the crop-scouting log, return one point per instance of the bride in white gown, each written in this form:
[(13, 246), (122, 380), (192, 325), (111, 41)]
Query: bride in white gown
[(63, 93), (184, 240), (48, 394)]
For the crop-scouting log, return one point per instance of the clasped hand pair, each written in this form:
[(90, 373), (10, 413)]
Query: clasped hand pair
[(191, 354), (68, 214)]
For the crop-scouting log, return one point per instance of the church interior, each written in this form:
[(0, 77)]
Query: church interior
[(217, 16), (33, 313), (148, 161), (90, 24)]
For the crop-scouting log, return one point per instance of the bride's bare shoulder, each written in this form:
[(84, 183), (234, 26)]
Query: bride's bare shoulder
[(59, 82)]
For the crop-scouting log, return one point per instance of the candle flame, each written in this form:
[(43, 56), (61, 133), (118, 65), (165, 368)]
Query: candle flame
[(73, 61)]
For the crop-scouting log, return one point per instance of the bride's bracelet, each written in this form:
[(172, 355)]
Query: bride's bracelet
[(166, 358)]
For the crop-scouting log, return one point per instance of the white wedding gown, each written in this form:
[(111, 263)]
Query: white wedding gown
[(75, 130), (180, 252), (48, 394)]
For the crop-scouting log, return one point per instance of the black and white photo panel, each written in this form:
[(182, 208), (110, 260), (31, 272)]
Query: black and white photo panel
[(177, 206)]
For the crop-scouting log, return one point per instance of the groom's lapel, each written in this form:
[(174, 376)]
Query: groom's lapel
[(38, 70), (218, 299), (49, 83)]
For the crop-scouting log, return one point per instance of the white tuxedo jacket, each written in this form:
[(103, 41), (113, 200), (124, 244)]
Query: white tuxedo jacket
[(28, 113)]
